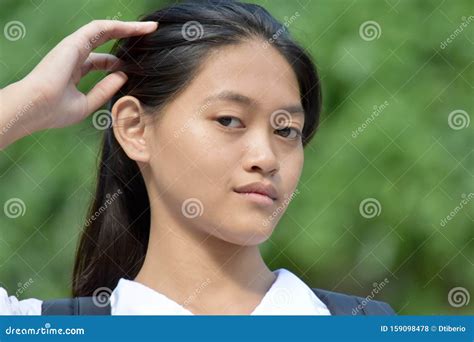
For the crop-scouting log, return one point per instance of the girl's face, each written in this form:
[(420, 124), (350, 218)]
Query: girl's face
[(238, 122)]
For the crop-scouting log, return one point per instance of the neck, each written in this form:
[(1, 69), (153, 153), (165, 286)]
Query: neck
[(204, 274)]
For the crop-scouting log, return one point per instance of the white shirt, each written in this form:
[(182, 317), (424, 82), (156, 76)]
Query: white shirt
[(288, 295)]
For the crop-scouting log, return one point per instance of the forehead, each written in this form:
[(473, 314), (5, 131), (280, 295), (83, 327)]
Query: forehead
[(249, 68)]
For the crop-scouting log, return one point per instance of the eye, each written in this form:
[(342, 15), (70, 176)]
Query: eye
[(227, 120), (290, 133)]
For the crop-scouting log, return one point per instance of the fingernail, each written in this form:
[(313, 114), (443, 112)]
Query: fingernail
[(121, 73), (155, 23)]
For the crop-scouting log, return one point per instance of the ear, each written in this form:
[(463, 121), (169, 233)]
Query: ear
[(129, 124)]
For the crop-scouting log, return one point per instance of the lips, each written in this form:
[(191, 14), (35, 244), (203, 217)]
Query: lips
[(265, 189)]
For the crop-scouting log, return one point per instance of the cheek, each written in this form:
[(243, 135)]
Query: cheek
[(291, 168), (213, 159), (192, 163)]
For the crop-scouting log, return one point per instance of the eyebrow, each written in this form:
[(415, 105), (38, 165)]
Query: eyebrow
[(228, 95)]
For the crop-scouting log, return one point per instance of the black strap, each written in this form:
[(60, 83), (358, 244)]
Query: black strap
[(75, 306), (337, 304)]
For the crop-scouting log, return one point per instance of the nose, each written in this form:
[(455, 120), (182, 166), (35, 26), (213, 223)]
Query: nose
[(260, 157)]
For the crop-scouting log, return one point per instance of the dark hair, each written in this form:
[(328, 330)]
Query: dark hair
[(159, 65)]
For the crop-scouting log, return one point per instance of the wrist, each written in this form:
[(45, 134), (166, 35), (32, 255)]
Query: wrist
[(21, 112)]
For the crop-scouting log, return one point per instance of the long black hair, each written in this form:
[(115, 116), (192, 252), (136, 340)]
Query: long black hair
[(160, 65)]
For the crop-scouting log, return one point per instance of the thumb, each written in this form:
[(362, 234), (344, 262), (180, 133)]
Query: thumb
[(104, 90)]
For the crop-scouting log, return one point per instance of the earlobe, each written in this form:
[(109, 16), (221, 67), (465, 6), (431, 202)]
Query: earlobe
[(130, 127)]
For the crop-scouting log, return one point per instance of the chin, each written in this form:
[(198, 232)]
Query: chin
[(257, 239), (244, 237), (241, 228)]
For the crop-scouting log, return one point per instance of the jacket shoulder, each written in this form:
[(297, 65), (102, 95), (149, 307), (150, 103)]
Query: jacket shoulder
[(345, 304)]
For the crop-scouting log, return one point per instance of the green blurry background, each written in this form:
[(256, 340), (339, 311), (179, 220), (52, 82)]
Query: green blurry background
[(411, 157)]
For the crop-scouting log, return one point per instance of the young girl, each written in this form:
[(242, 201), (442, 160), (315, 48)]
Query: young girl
[(209, 117)]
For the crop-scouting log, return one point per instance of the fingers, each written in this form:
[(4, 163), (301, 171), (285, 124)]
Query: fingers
[(98, 32), (104, 90), (100, 61), (71, 53)]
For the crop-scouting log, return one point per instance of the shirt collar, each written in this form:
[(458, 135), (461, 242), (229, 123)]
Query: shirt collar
[(288, 295)]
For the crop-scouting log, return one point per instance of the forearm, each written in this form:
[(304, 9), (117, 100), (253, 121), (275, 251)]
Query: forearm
[(18, 106)]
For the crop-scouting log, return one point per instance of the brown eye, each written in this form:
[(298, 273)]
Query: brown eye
[(227, 120), (290, 133)]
